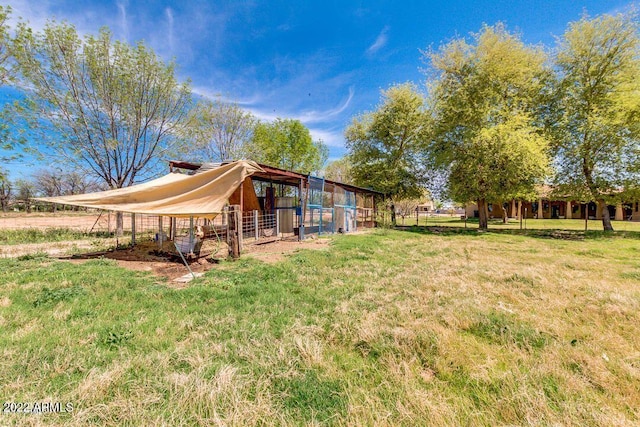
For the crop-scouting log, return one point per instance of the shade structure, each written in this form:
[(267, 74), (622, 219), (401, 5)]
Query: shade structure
[(178, 195)]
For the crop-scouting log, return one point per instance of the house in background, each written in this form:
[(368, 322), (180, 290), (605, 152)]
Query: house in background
[(549, 207), (428, 206)]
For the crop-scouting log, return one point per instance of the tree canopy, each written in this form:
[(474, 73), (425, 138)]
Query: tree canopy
[(12, 134), (339, 170), (486, 133), (103, 106), (287, 144), (384, 144), (5, 45), (220, 130), (596, 125)]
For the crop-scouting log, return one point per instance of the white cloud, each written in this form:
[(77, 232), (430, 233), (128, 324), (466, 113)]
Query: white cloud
[(36, 15), (629, 7), (306, 117), (321, 116), (331, 138), (380, 42), (169, 14), (124, 26), (213, 95), (86, 21)]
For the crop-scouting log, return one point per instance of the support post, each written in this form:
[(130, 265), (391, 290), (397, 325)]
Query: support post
[(190, 235), (303, 208), (256, 224), (235, 230), (277, 223), (240, 222), (241, 200), (172, 228), (586, 216), (160, 237), (133, 229), (520, 212), (568, 214)]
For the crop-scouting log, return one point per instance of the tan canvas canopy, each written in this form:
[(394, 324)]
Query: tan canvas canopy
[(201, 195)]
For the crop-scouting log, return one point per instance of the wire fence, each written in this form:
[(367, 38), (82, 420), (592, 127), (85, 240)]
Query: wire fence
[(257, 226)]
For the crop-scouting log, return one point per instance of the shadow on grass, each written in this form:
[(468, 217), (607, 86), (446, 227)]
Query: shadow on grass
[(559, 234)]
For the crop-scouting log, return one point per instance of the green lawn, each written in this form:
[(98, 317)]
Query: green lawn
[(529, 224), (386, 328)]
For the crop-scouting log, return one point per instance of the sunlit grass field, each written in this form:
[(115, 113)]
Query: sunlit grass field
[(514, 224), (436, 327)]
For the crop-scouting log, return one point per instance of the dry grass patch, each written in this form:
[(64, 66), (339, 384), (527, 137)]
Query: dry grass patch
[(389, 328)]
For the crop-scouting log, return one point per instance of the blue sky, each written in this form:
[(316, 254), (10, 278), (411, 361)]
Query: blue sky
[(321, 62)]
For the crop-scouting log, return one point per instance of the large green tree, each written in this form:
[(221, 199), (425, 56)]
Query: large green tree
[(25, 192), (5, 45), (384, 144), (484, 98), (103, 106), (5, 191), (287, 144), (339, 170), (220, 131), (11, 125), (596, 120)]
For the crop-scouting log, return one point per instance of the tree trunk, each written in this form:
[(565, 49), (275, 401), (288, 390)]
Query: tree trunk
[(482, 214), (119, 224), (606, 219), (505, 215), (393, 214)]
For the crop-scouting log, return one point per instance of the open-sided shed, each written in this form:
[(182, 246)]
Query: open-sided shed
[(244, 199), (304, 204)]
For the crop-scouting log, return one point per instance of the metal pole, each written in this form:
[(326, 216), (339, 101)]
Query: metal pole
[(520, 214), (240, 224), (255, 224), (586, 216), (190, 234), (184, 260)]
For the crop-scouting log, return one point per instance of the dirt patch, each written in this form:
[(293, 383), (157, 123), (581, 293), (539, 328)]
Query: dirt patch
[(167, 265), (274, 252)]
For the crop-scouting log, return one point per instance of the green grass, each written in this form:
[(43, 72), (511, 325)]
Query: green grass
[(385, 328), (529, 224)]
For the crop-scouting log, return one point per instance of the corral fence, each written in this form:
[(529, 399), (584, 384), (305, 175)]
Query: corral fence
[(252, 226)]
